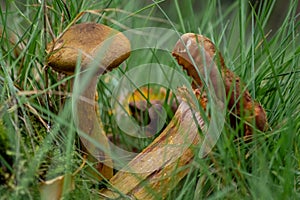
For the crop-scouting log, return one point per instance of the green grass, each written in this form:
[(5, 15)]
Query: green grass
[(266, 59)]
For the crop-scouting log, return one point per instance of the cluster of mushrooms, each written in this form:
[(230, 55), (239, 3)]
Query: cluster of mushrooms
[(81, 43)]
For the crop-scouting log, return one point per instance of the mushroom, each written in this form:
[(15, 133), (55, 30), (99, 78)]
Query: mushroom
[(86, 40), (195, 54), (11, 42)]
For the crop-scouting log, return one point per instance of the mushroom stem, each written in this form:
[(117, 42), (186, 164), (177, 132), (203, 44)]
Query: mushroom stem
[(87, 40), (163, 163), (88, 122)]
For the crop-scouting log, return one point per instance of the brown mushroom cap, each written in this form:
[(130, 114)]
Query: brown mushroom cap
[(195, 53), (191, 42), (84, 40), (12, 41)]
